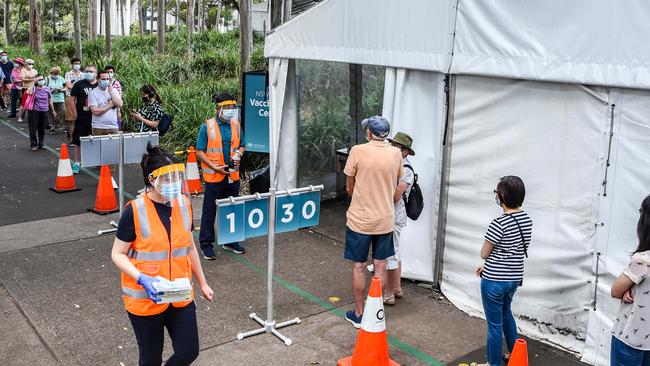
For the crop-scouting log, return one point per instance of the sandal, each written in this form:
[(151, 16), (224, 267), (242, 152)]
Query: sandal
[(399, 294), (389, 300)]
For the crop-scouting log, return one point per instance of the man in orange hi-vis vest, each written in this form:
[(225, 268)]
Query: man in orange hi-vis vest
[(219, 147)]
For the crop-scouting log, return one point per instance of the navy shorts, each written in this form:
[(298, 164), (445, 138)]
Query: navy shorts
[(357, 246)]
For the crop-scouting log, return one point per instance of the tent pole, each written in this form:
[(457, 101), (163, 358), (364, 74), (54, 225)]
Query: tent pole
[(443, 201)]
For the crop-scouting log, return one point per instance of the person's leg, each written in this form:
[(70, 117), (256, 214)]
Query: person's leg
[(206, 233), (382, 248), (59, 121), (14, 102), (42, 121), (232, 189), (357, 246), (623, 355), (3, 102), (509, 324), (393, 274), (492, 297), (646, 358), (32, 125), (182, 329), (150, 334)]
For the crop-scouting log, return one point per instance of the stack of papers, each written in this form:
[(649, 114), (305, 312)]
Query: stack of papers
[(173, 291)]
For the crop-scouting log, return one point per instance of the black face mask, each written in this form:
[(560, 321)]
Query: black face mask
[(145, 99)]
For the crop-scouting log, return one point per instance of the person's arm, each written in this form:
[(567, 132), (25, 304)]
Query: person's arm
[(197, 270), (93, 105), (399, 191), (121, 260), (350, 171), (115, 97), (30, 90), (486, 249), (620, 286), (349, 184)]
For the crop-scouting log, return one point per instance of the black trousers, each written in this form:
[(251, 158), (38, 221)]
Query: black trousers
[(182, 329), (37, 121)]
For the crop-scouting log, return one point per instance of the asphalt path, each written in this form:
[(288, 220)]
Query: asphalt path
[(27, 176)]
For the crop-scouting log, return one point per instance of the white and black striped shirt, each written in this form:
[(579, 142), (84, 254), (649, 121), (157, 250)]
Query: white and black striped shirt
[(506, 261)]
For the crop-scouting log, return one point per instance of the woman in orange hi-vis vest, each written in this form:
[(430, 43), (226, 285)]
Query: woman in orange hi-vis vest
[(219, 147), (154, 243)]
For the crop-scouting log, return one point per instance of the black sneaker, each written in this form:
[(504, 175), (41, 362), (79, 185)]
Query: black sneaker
[(235, 248), (208, 254), (352, 317)]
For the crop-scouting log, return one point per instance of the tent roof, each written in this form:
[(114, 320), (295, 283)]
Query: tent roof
[(591, 42)]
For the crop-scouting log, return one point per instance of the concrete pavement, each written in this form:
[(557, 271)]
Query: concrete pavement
[(59, 290)]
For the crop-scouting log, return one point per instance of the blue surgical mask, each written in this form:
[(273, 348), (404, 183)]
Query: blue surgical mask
[(104, 83), (4, 58), (54, 77), (40, 82), (76, 67), (90, 76), (228, 114), (170, 191)]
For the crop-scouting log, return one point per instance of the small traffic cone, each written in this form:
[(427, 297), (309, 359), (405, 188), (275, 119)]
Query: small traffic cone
[(105, 202), (192, 173), (64, 177), (372, 342), (519, 355)]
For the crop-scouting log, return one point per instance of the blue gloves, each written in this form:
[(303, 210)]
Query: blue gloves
[(147, 282)]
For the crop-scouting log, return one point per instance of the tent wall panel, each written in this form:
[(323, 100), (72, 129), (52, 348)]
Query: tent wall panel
[(414, 103), (551, 135)]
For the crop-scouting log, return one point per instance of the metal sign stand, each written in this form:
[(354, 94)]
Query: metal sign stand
[(269, 325), (120, 183)]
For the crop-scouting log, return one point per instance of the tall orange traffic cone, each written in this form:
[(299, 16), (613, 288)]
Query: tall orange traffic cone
[(372, 342), (192, 173), (519, 355), (64, 178), (105, 202)]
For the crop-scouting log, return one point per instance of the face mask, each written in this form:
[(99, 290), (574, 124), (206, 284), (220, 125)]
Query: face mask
[(228, 114), (498, 201), (170, 191), (30, 66), (54, 77), (4, 58), (104, 83), (90, 76), (41, 82), (111, 75), (145, 99), (77, 67)]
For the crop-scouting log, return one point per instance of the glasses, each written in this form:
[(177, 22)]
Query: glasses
[(30, 63)]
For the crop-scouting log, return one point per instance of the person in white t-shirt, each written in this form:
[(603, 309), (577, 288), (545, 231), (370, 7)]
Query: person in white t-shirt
[(393, 288), (103, 102)]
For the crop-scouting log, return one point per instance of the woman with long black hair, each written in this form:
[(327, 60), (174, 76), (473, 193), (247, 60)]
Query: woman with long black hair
[(631, 332)]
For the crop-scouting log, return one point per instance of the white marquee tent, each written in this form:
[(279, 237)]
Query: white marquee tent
[(551, 92)]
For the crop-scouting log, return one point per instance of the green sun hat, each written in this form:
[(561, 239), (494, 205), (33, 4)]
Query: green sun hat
[(403, 140)]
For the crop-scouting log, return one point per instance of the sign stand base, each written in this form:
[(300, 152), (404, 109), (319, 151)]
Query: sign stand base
[(269, 327), (113, 224)]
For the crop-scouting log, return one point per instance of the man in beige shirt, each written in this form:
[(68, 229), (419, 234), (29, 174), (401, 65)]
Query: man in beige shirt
[(372, 170)]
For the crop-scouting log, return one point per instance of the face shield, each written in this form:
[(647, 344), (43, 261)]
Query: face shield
[(228, 110), (170, 182)]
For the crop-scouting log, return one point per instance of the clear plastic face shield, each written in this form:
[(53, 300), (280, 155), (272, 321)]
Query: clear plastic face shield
[(169, 181), (228, 110)]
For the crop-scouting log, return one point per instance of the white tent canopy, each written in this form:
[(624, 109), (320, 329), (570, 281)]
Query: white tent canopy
[(551, 130)]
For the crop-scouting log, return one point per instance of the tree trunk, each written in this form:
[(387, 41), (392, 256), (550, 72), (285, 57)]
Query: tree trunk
[(190, 26), (178, 15), (107, 27), (77, 29), (151, 17), (217, 20), (140, 17), (35, 30), (53, 22), (162, 27), (245, 38), (276, 13), (8, 37), (203, 16), (287, 11), (121, 11), (92, 20)]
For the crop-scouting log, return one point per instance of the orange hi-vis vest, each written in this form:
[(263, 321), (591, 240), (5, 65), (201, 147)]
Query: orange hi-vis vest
[(153, 254), (214, 150)]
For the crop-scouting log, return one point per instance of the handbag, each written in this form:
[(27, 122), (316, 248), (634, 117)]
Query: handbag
[(29, 99)]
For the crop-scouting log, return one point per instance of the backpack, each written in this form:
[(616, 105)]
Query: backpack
[(165, 124), (414, 202)]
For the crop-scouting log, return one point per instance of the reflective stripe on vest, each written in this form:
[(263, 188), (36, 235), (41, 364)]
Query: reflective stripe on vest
[(145, 230), (135, 294), (148, 256), (181, 252), (185, 212)]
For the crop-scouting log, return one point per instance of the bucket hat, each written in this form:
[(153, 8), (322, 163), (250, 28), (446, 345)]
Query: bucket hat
[(403, 140)]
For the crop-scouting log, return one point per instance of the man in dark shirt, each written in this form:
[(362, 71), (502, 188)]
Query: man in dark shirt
[(83, 124), (7, 66)]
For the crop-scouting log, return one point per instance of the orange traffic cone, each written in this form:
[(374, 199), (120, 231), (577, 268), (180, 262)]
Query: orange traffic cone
[(519, 355), (64, 178), (372, 342), (105, 202), (192, 173)]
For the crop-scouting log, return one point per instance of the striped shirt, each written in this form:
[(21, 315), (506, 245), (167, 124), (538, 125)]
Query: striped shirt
[(506, 261)]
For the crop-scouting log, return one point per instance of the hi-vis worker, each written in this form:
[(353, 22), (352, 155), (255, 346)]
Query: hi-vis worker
[(219, 147), (154, 238)]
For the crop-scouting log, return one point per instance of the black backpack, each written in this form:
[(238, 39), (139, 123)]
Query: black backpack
[(414, 202), (165, 124)]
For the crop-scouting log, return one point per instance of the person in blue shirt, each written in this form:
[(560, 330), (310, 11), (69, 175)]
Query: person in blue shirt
[(6, 66), (219, 148)]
